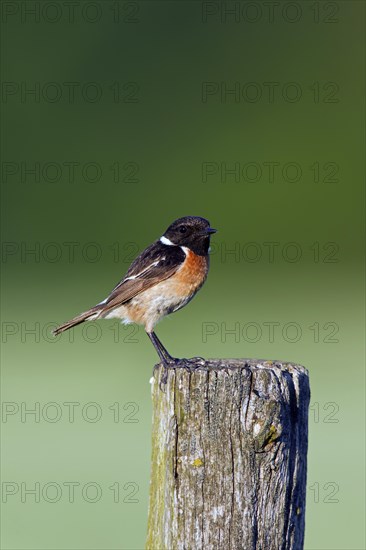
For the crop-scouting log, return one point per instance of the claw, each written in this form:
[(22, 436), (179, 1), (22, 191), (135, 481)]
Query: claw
[(167, 364), (190, 365), (163, 379), (199, 360)]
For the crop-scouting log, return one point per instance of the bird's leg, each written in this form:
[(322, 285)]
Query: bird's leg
[(165, 357), (167, 360)]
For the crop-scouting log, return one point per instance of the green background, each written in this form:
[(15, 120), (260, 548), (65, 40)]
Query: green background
[(162, 125)]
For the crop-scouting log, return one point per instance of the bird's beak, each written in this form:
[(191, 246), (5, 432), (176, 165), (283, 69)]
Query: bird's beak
[(208, 231)]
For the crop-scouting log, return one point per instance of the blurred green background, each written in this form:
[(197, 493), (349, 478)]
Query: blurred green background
[(138, 113)]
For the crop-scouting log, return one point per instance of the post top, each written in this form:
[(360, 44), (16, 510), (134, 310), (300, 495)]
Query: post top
[(201, 364)]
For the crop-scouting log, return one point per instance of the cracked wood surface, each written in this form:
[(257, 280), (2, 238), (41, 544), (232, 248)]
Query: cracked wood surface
[(229, 446)]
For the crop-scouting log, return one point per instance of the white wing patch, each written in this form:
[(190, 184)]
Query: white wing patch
[(164, 240), (144, 270)]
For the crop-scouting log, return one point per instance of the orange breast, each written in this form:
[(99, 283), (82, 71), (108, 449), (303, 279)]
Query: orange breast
[(193, 272)]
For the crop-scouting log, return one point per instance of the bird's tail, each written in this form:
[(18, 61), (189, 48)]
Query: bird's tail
[(86, 316)]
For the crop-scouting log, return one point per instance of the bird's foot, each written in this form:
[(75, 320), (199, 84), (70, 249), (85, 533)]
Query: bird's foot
[(187, 364), (167, 363), (190, 365), (200, 361)]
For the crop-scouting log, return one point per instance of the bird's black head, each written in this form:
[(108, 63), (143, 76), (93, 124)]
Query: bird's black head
[(191, 231)]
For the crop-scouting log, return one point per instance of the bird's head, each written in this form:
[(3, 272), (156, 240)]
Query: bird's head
[(192, 232)]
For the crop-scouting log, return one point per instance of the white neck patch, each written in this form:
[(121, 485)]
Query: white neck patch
[(164, 240)]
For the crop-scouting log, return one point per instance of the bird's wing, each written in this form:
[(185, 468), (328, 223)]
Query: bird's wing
[(157, 263)]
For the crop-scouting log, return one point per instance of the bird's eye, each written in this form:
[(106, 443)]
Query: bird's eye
[(183, 229)]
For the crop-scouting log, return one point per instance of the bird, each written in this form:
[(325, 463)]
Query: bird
[(161, 280)]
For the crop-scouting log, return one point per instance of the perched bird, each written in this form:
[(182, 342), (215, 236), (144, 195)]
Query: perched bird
[(163, 279)]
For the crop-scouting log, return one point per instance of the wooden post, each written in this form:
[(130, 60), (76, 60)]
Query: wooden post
[(229, 445)]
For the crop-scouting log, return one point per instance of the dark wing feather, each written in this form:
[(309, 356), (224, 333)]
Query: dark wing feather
[(157, 263)]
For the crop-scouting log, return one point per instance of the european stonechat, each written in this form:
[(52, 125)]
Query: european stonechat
[(163, 279)]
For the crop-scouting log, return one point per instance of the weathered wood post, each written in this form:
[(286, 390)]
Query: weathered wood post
[(229, 445)]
